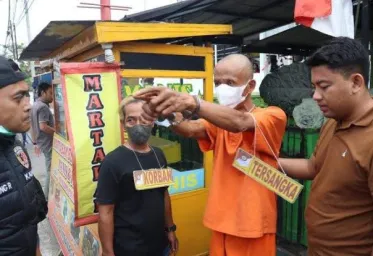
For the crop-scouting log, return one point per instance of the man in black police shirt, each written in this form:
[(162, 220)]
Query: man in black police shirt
[(22, 202), (134, 222)]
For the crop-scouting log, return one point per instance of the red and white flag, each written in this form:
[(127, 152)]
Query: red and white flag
[(332, 17)]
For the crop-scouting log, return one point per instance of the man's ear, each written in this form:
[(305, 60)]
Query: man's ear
[(358, 83), (250, 87)]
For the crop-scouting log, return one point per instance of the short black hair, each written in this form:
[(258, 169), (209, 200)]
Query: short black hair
[(43, 87), (344, 55)]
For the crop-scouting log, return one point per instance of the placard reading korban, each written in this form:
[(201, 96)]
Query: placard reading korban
[(153, 178), (268, 176)]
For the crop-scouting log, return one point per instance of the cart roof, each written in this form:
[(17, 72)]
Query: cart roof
[(65, 39)]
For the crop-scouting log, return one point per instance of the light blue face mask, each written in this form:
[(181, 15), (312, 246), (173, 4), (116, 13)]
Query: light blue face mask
[(4, 131)]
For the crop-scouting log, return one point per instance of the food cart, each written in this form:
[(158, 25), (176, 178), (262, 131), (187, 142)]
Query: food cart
[(96, 64)]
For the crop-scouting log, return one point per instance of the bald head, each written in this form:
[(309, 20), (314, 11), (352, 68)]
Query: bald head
[(234, 69)]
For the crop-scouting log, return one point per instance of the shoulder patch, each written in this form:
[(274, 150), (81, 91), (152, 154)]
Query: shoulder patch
[(22, 157)]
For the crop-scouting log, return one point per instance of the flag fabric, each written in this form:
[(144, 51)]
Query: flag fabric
[(332, 17)]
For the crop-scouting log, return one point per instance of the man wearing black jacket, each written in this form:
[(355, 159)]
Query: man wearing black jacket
[(22, 202)]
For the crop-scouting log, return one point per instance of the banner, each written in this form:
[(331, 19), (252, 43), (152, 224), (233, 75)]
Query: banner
[(91, 95), (77, 241)]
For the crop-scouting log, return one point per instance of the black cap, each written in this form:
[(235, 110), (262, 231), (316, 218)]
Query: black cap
[(10, 73)]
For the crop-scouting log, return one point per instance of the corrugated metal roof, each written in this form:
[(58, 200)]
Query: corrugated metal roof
[(80, 36), (54, 35), (248, 17), (298, 40)]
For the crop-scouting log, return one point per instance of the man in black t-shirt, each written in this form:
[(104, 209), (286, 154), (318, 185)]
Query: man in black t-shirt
[(134, 222)]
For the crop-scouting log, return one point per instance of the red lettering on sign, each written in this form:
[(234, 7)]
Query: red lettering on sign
[(95, 172), (95, 120), (94, 102), (66, 171), (96, 136), (98, 156), (92, 82), (63, 150)]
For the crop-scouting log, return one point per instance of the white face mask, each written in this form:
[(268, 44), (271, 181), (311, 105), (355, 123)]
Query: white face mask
[(230, 96)]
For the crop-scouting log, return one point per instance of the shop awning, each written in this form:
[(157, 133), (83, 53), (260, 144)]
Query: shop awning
[(66, 39), (247, 17), (298, 40), (53, 36)]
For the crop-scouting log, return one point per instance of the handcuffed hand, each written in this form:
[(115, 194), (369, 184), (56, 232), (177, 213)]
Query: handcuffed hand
[(162, 101)]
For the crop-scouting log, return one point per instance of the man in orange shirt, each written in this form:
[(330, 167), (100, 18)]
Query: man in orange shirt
[(240, 212)]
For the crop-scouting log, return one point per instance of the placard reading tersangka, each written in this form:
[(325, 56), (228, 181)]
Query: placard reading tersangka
[(268, 176), (153, 178)]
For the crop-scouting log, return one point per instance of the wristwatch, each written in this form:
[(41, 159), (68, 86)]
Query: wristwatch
[(171, 229)]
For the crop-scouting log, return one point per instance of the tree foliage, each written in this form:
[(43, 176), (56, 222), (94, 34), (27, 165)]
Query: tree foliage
[(9, 53)]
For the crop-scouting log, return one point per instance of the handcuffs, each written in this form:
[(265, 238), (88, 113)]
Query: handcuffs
[(187, 115)]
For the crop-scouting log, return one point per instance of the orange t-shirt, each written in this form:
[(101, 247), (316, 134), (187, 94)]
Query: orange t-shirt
[(237, 205)]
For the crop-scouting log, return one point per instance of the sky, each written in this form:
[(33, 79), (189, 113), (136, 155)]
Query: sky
[(42, 12)]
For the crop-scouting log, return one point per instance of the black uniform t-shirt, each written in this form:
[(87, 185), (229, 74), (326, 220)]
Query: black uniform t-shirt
[(139, 216)]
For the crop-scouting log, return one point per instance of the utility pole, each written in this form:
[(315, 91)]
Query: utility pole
[(104, 7), (10, 29), (32, 65), (10, 32), (15, 42), (105, 10)]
